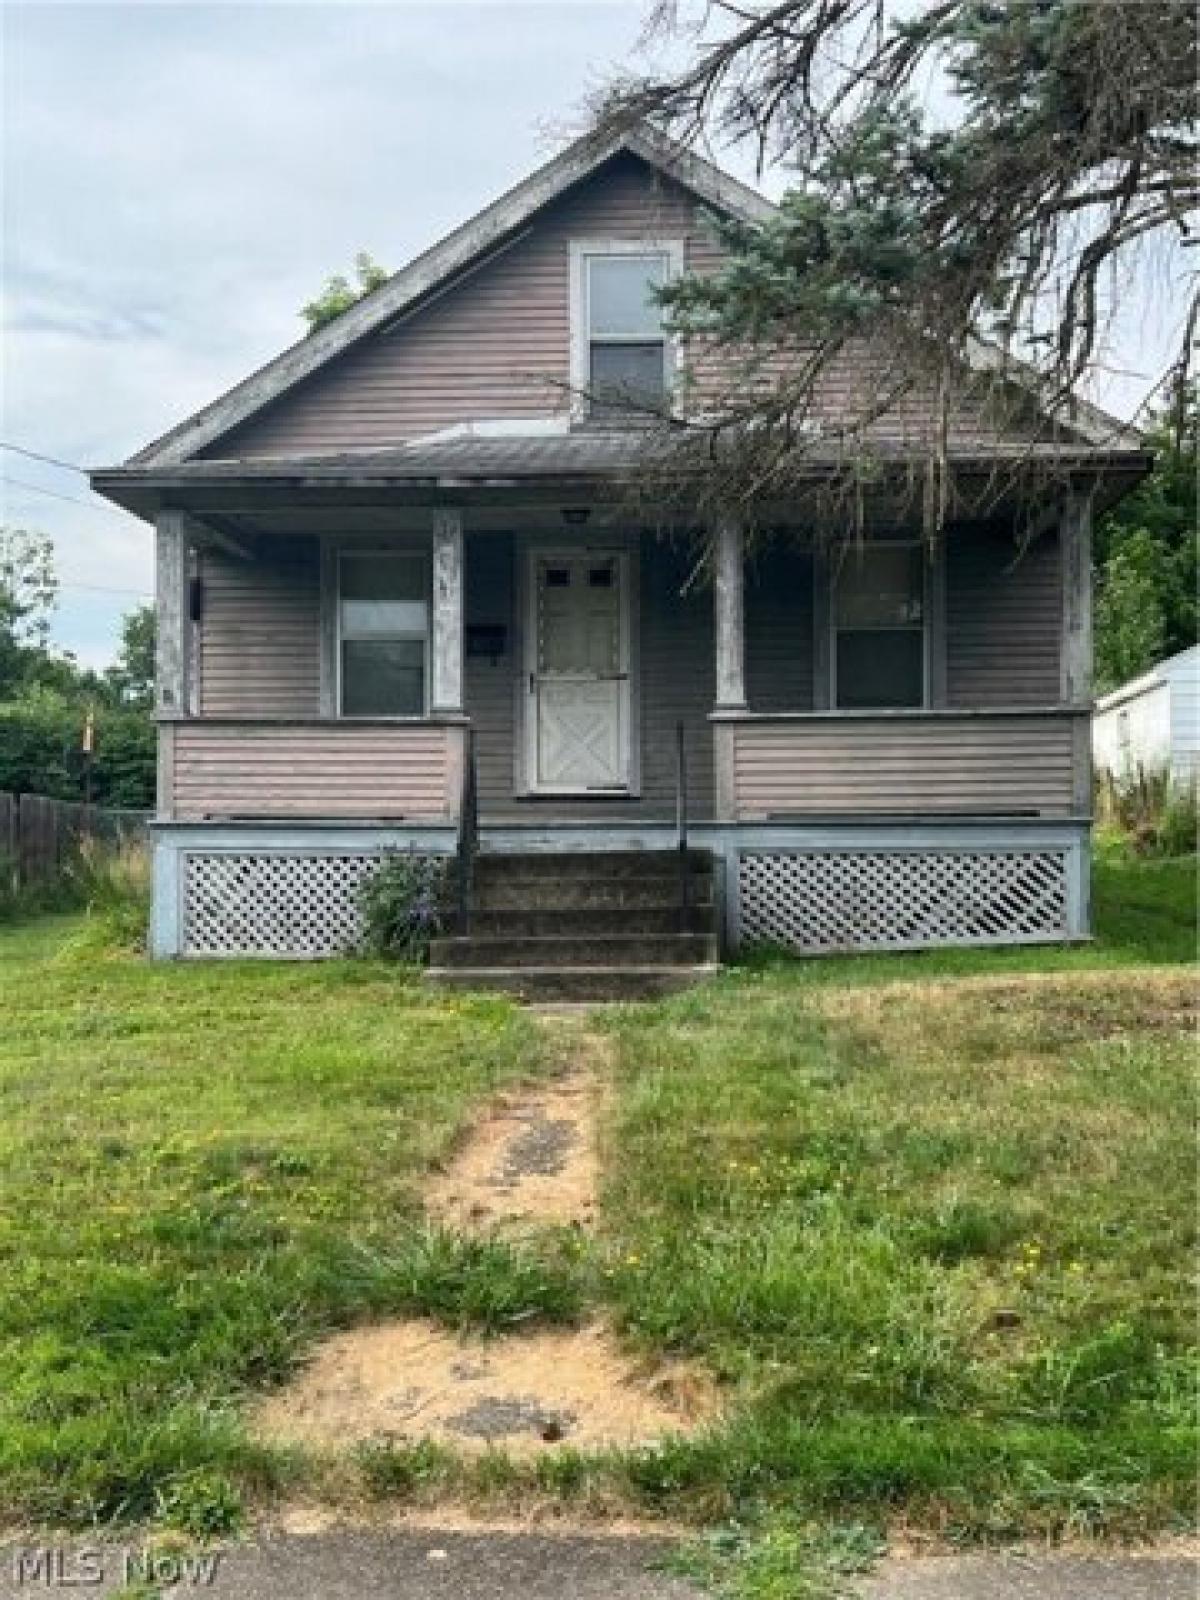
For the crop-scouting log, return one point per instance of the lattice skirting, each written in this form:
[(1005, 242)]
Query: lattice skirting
[(256, 903), (823, 900)]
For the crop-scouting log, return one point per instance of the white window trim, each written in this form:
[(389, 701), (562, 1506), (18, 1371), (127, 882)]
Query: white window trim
[(338, 556), (581, 250), (927, 604)]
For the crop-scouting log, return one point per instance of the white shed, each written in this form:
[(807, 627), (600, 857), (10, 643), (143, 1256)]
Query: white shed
[(1152, 723)]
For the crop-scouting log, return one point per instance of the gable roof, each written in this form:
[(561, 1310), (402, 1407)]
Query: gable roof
[(475, 239), (455, 253)]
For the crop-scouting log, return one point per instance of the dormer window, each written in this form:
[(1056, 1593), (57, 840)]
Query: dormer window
[(622, 358)]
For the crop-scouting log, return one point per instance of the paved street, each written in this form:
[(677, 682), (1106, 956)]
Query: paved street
[(420, 1564)]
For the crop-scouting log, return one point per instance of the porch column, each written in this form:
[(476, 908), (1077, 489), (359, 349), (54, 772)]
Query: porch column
[(172, 645), (1075, 538), (730, 616), (1075, 652), (447, 643)]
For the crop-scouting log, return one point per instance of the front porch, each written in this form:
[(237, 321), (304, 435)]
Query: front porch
[(598, 694)]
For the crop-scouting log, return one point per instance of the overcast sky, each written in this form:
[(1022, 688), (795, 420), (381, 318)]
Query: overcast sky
[(179, 179)]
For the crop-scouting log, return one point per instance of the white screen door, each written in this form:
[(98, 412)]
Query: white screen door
[(578, 683)]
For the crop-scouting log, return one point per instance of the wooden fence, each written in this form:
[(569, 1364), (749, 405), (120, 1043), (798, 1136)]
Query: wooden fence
[(38, 835)]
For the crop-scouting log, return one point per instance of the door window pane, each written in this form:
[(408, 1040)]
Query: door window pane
[(621, 302), (383, 677)]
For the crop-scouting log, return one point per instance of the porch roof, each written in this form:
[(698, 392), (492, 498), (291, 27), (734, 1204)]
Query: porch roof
[(461, 467)]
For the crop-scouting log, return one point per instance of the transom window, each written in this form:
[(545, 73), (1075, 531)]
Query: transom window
[(879, 650), (383, 634), (623, 352)]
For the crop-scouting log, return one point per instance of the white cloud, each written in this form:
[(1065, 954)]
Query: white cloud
[(178, 180)]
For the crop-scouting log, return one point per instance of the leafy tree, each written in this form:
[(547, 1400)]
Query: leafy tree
[(28, 594), (1145, 556), (339, 294), (131, 679), (45, 696), (976, 169)]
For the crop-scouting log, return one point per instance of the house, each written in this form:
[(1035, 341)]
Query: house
[(402, 603), (1152, 723)]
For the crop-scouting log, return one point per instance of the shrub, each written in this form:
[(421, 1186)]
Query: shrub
[(402, 905)]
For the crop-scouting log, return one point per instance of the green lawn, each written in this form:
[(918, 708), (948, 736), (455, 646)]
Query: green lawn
[(929, 1217), (203, 1167)]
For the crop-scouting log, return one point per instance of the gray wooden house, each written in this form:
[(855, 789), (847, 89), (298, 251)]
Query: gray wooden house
[(401, 605)]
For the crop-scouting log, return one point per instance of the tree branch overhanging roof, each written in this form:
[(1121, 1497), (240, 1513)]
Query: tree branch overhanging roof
[(489, 229)]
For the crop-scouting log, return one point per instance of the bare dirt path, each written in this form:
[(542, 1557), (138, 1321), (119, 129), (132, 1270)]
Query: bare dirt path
[(531, 1162), (534, 1157)]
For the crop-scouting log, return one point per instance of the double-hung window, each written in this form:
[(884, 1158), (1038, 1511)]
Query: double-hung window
[(879, 637), (383, 634), (623, 358)]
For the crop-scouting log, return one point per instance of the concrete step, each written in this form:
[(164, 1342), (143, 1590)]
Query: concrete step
[(581, 985), (541, 892), (575, 950), (588, 864), (587, 922)]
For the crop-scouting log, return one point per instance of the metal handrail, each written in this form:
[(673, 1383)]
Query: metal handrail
[(468, 832), (681, 826)]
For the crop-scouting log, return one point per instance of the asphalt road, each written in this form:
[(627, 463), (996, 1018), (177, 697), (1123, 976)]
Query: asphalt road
[(412, 1564)]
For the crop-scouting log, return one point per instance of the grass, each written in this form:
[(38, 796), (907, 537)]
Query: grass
[(928, 1216), (924, 1215), (204, 1168)]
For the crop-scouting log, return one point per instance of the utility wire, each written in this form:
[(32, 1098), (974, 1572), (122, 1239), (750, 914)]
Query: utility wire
[(103, 588), (36, 455), (55, 494)]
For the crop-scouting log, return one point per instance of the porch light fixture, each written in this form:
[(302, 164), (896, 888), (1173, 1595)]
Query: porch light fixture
[(576, 516)]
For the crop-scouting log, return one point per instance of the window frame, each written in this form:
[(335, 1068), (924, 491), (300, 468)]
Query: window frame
[(398, 553), (928, 597), (583, 251)]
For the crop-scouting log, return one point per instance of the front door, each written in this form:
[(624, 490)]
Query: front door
[(578, 700)]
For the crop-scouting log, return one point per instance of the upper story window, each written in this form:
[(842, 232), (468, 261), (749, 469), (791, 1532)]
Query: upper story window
[(879, 648), (383, 634), (622, 361)]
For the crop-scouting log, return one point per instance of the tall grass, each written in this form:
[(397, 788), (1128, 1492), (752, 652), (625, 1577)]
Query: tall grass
[(112, 884), (1155, 812)]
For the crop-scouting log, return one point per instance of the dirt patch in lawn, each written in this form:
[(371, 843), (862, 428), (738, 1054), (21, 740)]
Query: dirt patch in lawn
[(529, 1393), (533, 1158)]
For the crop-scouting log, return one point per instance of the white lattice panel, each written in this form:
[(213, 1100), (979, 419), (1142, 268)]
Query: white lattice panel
[(264, 904), (892, 899)]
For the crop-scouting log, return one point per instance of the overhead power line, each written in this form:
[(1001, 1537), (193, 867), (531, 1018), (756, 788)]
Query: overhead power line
[(56, 494), (36, 455)]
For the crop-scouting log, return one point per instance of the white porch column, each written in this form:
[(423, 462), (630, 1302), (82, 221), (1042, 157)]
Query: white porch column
[(728, 588), (447, 620), (1075, 537), (172, 646)]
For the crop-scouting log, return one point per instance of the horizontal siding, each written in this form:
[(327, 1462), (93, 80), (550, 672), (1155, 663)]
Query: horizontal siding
[(904, 765), (779, 627), (496, 345), (1003, 619), (327, 770), (259, 633)]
